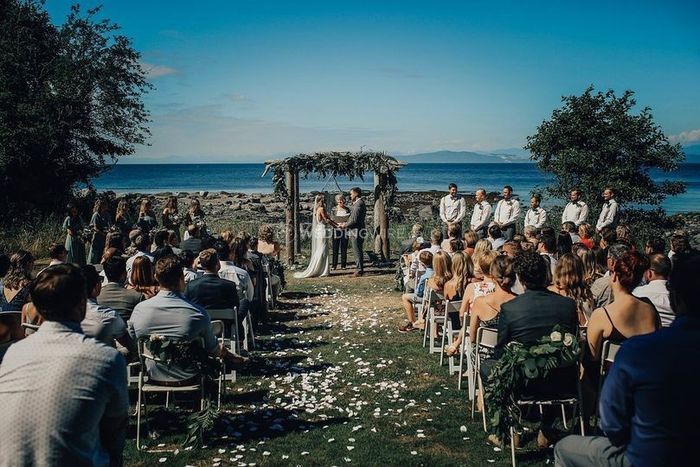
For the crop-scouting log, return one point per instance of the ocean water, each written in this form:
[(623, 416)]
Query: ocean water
[(246, 178)]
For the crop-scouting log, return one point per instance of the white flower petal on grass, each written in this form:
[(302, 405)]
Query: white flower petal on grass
[(305, 453), (463, 429), (330, 440), (163, 459), (350, 448), (414, 453), (497, 449)]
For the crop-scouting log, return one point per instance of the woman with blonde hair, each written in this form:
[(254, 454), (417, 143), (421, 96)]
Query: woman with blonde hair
[(454, 231), (591, 269), (171, 218), (442, 271), (100, 224), (462, 273), (570, 281), (142, 278), (481, 246), (471, 238)]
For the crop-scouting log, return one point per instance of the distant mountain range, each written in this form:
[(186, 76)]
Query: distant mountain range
[(467, 157)]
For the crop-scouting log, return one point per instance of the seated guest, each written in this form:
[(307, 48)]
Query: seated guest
[(680, 243), (462, 272), (161, 252), (114, 294), (174, 241), (570, 281), (64, 396), (409, 300), (655, 245), (229, 271), (267, 248), (511, 248), (527, 318), (530, 234), (442, 271), (169, 314), (193, 241), (58, 254), (601, 289), (496, 237), (656, 288), (435, 242), (17, 283), (591, 269), (100, 322), (456, 244), (564, 244), (416, 236), (585, 234), (470, 238), (607, 237), (627, 316), (637, 428), (548, 248), (142, 243), (570, 228), (187, 257), (210, 291), (482, 246), (142, 279), (454, 231)]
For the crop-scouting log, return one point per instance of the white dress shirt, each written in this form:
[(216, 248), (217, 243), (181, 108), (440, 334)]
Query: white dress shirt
[(452, 208), (240, 276), (507, 212), (608, 215), (575, 212), (536, 217), (480, 215), (57, 386), (657, 293)]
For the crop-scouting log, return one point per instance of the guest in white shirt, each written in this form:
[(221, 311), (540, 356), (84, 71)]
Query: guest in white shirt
[(610, 212), (535, 216), (453, 207), (58, 254), (231, 272), (656, 290), (481, 214), (507, 213), (496, 237), (576, 211)]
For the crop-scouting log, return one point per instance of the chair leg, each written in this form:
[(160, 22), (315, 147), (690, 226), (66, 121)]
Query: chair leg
[(426, 325), (512, 446), (482, 396), (167, 399), (563, 417), (461, 358), (138, 420)]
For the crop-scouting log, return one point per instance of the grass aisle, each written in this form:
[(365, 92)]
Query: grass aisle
[(334, 383)]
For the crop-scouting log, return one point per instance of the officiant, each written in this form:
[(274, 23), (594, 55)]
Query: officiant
[(340, 236)]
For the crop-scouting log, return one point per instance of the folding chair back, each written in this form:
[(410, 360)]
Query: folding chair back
[(607, 356), (29, 328), (451, 309), (485, 338)]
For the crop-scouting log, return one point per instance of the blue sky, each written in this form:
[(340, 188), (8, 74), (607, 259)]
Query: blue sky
[(244, 80)]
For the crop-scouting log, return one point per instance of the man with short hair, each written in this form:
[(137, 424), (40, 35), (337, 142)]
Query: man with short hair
[(194, 241), (453, 207), (506, 214), (210, 291), (356, 229), (191, 273), (101, 322), (481, 214), (547, 247), (113, 294), (64, 395), (656, 288), (168, 314), (576, 211), (601, 288), (609, 213), (648, 405), (496, 237), (435, 246), (535, 216)]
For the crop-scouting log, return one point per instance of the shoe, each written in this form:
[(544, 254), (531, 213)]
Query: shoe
[(236, 362), (406, 328), (493, 439), (542, 441)]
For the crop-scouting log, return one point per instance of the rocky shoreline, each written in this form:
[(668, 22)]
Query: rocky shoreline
[(229, 208)]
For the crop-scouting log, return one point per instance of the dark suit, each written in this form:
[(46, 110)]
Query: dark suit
[(121, 300), (193, 244), (357, 232), (211, 292)]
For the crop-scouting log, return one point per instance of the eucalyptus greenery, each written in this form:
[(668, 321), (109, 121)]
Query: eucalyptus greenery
[(518, 365), (349, 164)]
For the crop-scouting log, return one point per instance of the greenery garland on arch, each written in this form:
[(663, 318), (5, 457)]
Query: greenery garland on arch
[(336, 163)]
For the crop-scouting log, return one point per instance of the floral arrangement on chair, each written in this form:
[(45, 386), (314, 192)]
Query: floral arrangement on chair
[(520, 364)]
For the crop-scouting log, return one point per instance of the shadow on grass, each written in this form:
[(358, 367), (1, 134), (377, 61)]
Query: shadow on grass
[(287, 343), (303, 295), (275, 366), (284, 317)]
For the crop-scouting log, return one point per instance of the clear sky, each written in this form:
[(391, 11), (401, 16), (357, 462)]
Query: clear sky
[(243, 80)]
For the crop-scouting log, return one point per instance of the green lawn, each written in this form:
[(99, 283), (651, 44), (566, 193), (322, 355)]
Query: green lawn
[(334, 383)]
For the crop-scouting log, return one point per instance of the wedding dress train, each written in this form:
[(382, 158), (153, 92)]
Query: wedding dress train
[(318, 265)]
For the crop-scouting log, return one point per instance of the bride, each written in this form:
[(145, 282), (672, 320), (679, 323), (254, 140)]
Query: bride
[(318, 266)]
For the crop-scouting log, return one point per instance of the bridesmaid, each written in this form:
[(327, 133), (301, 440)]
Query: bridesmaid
[(171, 219), (147, 218), (123, 219), (74, 243), (100, 224)]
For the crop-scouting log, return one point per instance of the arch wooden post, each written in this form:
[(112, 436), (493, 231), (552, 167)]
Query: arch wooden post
[(297, 216), (381, 217), (290, 218)]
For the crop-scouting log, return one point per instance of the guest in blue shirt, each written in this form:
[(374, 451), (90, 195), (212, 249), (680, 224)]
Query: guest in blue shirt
[(409, 300), (648, 406)]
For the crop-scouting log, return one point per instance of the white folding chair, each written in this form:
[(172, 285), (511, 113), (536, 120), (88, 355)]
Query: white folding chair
[(29, 328), (270, 294), (607, 357), (487, 338), (451, 308), (231, 315), (144, 387), (425, 305), (433, 321), (466, 352)]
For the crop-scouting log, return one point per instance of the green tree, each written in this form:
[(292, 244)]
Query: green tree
[(596, 140), (70, 101)]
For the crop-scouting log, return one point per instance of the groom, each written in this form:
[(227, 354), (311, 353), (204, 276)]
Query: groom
[(356, 228)]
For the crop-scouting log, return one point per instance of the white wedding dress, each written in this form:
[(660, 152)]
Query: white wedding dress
[(318, 265)]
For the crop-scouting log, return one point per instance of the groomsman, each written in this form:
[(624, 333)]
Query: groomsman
[(576, 211), (453, 207), (507, 213), (610, 212), (535, 216), (481, 214)]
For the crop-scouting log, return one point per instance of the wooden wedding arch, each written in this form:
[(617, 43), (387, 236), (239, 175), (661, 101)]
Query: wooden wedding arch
[(287, 172)]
